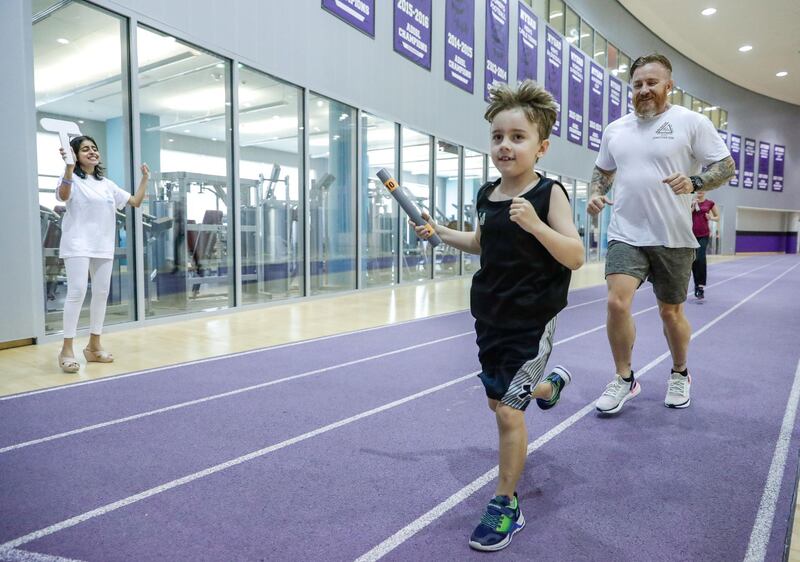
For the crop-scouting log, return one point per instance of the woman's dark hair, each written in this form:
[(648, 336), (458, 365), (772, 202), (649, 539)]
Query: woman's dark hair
[(75, 143)]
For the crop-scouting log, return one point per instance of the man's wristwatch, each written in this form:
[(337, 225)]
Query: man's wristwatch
[(697, 183)]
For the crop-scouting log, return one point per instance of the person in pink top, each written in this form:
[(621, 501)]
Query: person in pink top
[(703, 210)]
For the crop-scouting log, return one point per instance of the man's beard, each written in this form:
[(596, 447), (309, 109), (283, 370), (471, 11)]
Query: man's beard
[(651, 109)]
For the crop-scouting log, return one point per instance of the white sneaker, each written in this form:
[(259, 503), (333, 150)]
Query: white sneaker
[(678, 391), (615, 395)]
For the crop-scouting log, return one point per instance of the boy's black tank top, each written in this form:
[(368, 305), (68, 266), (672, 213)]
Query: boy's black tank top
[(519, 284)]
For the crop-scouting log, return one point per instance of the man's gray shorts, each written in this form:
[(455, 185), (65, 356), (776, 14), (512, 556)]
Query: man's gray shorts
[(668, 269)]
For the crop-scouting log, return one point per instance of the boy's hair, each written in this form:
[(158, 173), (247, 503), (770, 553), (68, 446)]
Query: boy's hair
[(538, 105), (652, 57)]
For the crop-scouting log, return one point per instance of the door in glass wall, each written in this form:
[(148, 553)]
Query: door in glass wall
[(184, 119), (446, 211), (473, 179), (379, 210), (90, 95), (332, 195), (415, 178), (270, 161)]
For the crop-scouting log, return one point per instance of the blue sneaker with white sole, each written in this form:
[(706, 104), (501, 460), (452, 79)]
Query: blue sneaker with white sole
[(501, 521), (559, 378)]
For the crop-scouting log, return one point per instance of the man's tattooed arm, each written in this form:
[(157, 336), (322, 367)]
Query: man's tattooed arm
[(602, 181), (718, 173)]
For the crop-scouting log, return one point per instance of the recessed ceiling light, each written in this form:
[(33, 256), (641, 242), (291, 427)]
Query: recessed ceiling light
[(745, 48), (709, 11), (62, 41), (781, 74)]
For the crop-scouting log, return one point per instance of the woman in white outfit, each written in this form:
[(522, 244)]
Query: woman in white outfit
[(88, 231)]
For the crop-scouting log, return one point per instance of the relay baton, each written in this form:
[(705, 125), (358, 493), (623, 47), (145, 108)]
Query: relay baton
[(409, 207)]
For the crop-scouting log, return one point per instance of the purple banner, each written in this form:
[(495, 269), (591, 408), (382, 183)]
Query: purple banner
[(412, 30), (577, 64), (553, 58), (527, 44), (358, 13), (762, 182), (749, 163), (597, 78), (496, 70), (614, 99), (630, 99), (459, 41), (778, 156), (736, 154), (723, 135)]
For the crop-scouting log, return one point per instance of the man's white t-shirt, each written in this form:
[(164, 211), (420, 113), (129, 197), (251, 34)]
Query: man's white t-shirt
[(88, 228), (646, 212)]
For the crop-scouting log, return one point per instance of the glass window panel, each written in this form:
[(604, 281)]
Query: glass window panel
[(473, 180), (624, 67), (331, 196), (415, 177), (556, 15), (600, 46), (379, 210), (605, 219), (698, 105), (94, 99), (714, 116), (723, 119), (587, 39), (185, 125), (446, 211), (687, 100), (539, 7), (572, 27), (270, 160), (612, 59), (677, 96)]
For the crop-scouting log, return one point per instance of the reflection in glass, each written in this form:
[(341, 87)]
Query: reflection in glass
[(723, 119), (415, 177), (93, 98), (600, 49), (270, 160), (572, 27), (612, 56), (556, 15), (623, 68), (473, 179), (587, 38), (331, 195), (379, 210), (446, 258), (184, 119)]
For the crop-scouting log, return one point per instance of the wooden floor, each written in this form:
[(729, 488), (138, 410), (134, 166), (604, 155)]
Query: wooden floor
[(35, 367)]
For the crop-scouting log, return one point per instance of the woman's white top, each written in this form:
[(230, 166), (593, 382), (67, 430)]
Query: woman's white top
[(88, 228)]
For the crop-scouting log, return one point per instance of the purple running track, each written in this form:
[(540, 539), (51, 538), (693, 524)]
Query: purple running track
[(649, 484)]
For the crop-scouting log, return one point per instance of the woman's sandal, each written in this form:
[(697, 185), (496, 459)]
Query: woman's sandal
[(97, 356), (68, 364)]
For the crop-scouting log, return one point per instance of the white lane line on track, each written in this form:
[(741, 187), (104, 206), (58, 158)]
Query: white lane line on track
[(762, 528), (305, 374), (71, 522), (15, 555), (219, 467), (426, 519), (269, 348)]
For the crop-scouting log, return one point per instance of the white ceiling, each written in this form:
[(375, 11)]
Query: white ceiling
[(772, 27)]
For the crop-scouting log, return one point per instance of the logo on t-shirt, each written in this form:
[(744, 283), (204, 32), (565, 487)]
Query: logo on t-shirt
[(664, 131), (481, 218)]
